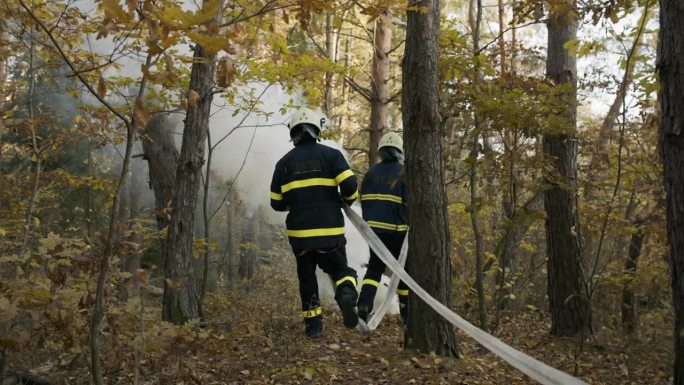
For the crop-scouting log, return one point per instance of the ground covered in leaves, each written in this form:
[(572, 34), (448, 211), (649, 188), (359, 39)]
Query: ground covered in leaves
[(255, 336)]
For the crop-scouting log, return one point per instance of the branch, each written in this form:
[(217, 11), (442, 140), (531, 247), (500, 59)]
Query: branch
[(366, 93), (73, 67), (484, 47), (242, 166), (251, 109)]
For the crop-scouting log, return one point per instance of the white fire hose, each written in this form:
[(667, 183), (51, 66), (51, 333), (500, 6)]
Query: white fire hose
[(535, 369)]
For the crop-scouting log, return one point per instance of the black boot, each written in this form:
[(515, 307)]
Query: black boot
[(314, 326), (346, 299), (365, 304), (363, 311)]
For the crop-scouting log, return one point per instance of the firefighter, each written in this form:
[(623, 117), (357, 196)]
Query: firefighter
[(312, 181), (383, 200)]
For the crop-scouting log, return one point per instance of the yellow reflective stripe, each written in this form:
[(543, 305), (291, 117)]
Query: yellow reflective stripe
[(343, 175), (345, 279), (371, 282), (403, 292), (312, 313), (387, 226), (316, 232), (308, 183), (276, 196), (381, 197), (353, 196)]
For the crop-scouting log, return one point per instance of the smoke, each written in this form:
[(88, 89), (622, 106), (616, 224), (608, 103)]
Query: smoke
[(251, 142), (259, 144)]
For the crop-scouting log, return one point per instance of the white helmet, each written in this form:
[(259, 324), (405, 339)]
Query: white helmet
[(308, 116), (392, 139)]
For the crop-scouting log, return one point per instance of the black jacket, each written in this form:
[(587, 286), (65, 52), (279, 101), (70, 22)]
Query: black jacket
[(383, 198), (305, 182)]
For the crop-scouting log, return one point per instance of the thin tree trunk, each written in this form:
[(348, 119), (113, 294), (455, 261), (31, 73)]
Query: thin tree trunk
[(207, 225), (629, 313), (382, 44), (90, 201), (567, 299), (429, 260), (502, 36), (474, 199), (330, 49), (103, 267), (671, 70), (180, 302), (35, 151)]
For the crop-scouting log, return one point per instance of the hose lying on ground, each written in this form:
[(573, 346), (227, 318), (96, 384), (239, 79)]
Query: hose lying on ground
[(535, 369)]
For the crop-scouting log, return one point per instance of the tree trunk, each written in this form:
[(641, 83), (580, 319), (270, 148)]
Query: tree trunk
[(567, 300), (629, 313), (380, 82), (234, 225), (162, 159), (330, 49), (36, 153), (518, 222), (135, 238), (180, 302), (475, 201), (428, 260), (671, 70)]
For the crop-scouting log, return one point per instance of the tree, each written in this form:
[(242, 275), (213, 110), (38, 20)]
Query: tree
[(671, 70), (428, 260), (379, 82), (567, 300), (180, 302)]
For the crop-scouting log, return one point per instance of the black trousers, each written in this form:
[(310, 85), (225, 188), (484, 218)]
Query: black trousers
[(376, 268), (334, 263)]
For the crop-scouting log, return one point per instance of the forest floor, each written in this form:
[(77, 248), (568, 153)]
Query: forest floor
[(258, 338), (255, 336)]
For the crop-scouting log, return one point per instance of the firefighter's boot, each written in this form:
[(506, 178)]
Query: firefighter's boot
[(314, 327), (346, 299)]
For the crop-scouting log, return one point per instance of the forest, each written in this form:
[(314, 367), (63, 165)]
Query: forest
[(544, 145)]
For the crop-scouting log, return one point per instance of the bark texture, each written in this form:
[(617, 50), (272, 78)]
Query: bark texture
[(162, 158), (180, 302), (380, 72), (567, 299), (428, 260), (671, 70)]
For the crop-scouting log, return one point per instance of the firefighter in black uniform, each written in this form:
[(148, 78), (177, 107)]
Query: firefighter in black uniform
[(383, 200), (305, 183)]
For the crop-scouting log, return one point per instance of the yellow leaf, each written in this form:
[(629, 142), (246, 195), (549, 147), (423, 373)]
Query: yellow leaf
[(114, 10), (211, 43), (225, 74), (101, 87), (3, 232), (140, 114)]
